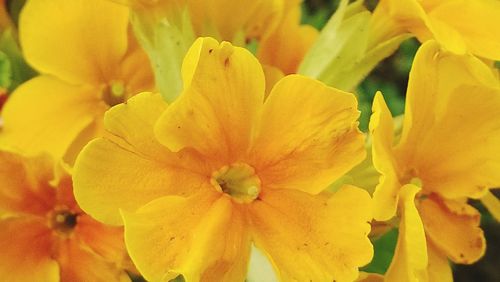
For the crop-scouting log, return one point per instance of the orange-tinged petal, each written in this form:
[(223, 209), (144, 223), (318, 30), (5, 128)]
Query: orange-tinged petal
[(105, 241), (386, 195), (286, 46), (202, 237), (24, 187), (410, 257), (308, 136), (451, 129), (90, 132), (407, 13), (78, 263), (454, 228), (47, 114), (80, 41), (273, 75), (473, 26), (414, 17), (446, 21), (232, 20), (5, 20), (439, 268), (129, 168), (310, 238), (370, 277), (224, 92), (26, 251), (134, 69)]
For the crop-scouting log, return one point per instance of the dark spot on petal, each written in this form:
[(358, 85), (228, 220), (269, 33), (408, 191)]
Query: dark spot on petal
[(210, 51), (226, 62)]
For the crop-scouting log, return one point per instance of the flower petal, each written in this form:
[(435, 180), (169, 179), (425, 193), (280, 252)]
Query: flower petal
[(224, 91), (24, 185), (287, 45), (417, 18), (47, 114), (132, 124), (202, 237), (26, 245), (451, 129), (80, 41), (135, 70), (410, 257), (439, 268), (129, 168), (454, 228), (105, 241), (273, 75), (229, 20), (474, 26), (386, 195), (308, 136), (370, 277), (310, 238), (78, 263)]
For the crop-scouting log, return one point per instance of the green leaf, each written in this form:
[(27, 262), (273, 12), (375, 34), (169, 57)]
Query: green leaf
[(5, 71), (20, 71), (384, 251), (166, 41), (342, 55)]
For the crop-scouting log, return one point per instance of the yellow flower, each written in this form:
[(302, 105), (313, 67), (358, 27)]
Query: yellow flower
[(223, 19), (166, 29), (88, 61), (286, 46), (459, 25), (200, 180), (44, 235), (449, 151)]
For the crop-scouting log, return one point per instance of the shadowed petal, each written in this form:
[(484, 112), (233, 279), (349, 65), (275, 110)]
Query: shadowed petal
[(202, 237)]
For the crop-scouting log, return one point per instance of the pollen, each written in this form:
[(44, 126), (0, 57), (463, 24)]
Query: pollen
[(238, 181), (63, 221), (114, 93)]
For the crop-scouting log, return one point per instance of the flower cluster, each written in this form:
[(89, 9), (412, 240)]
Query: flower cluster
[(193, 140)]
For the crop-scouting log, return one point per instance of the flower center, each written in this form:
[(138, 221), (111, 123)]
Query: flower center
[(238, 181), (410, 176), (63, 221), (114, 93)]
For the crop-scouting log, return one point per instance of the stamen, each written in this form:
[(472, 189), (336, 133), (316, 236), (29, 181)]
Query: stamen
[(238, 181), (63, 221), (114, 93)]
